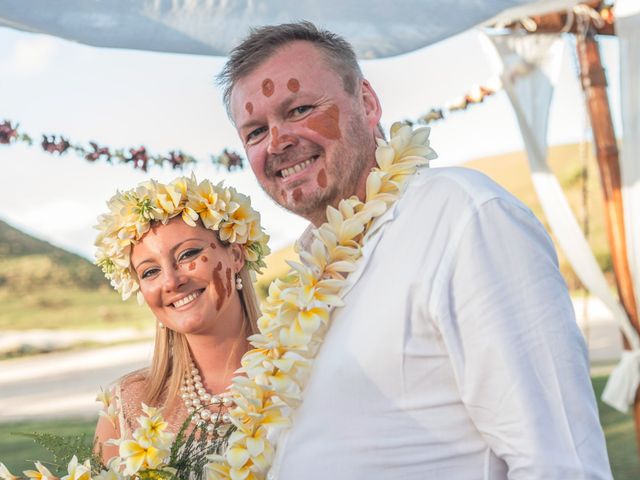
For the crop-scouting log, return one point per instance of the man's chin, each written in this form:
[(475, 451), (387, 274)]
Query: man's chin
[(310, 205)]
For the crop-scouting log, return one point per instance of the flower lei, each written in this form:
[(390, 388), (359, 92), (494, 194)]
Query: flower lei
[(131, 212), (296, 314)]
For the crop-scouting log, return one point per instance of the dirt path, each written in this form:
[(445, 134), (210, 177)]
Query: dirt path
[(64, 384)]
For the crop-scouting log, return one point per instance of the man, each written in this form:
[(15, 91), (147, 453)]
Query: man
[(456, 354)]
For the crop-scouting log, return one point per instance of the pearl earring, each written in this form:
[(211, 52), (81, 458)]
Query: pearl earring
[(238, 283), (161, 325)]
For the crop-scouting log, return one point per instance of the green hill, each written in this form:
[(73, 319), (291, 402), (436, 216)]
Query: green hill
[(43, 286), (28, 263)]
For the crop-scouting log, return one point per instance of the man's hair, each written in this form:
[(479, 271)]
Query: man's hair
[(263, 42)]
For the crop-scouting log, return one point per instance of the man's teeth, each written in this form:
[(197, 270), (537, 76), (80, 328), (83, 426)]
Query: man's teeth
[(296, 168), (188, 299)]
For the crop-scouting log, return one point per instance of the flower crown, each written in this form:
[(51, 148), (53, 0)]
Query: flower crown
[(131, 213)]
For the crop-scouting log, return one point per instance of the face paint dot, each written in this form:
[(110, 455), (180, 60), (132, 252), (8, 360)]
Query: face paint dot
[(192, 266), (249, 107), (204, 259), (297, 195), (213, 245), (267, 87), (293, 85), (322, 178), (326, 123)]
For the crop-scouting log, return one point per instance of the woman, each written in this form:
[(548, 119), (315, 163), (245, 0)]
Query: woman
[(187, 249)]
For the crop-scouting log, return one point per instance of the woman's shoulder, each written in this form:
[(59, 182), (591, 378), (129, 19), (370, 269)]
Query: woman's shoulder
[(130, 391)]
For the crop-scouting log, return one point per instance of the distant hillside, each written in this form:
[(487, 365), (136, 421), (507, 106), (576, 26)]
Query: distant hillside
[(27, 263)]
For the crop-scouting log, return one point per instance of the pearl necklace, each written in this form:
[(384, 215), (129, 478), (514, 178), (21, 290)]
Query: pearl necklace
[(198, 402)]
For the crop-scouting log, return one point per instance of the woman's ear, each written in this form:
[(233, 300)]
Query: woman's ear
[(237, 255)]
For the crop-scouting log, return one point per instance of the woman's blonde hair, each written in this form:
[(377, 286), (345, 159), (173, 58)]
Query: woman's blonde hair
[(171, 356)]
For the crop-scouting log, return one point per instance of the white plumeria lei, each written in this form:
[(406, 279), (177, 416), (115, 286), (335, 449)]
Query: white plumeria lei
[(131, 213), (296, 314)]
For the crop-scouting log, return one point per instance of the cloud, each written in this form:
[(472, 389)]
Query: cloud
[(31, 56)]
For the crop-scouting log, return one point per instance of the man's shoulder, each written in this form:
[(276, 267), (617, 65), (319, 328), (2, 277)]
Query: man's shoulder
[(458, 184)]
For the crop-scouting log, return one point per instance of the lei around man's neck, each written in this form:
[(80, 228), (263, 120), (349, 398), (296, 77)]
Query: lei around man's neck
[(297, 313)]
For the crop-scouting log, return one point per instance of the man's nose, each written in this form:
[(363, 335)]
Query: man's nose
[(280, 140)]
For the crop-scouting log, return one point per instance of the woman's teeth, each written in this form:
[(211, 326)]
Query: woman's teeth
[(188, 299)]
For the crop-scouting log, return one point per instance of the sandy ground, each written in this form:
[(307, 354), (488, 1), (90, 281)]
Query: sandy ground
[(65, 384)]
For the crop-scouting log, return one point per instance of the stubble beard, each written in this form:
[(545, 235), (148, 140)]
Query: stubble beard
[(352, 159)]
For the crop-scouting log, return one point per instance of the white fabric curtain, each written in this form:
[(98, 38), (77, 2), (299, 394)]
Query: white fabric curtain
[(530, 94), (530, 65)]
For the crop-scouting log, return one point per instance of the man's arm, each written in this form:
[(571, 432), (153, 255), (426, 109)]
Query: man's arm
[(522, 366)]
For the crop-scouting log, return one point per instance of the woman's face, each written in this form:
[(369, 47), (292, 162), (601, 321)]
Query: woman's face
[(188, 278)]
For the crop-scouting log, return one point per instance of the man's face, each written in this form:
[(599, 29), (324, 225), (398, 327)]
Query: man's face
[(309, 142)]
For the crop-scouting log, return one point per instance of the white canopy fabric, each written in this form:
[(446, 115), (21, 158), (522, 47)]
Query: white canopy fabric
[(212, 27)]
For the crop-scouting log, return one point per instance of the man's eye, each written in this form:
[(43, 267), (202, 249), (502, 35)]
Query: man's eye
[(192, 252), (301, 110), (255, 134)]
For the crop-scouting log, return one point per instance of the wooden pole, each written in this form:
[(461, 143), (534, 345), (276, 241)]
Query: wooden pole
[(594, 84)]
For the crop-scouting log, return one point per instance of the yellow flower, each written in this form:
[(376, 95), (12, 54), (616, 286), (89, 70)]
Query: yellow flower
[(5, 474), (110, 474), (140, 455), (109, 406), (42, 473), (78, 471), (153, 428)]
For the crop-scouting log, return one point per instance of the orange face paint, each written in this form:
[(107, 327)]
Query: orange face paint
[(218, 283), (326, 123), (267, 87), (192, 266), (322, 178), (297, 195), (293, 85), (275, 139), (229, 281), (249, 107), (204, 259), (213, 245)]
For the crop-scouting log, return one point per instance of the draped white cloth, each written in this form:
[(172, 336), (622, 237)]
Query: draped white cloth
[(376, 28), (530, 96)]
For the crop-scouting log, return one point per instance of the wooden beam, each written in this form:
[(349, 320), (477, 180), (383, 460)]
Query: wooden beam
[(557, 22), (594, 84)]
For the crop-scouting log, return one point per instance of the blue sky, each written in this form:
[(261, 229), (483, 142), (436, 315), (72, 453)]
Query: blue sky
[(125, 98)]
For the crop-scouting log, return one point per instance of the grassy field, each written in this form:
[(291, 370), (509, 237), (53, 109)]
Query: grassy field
[(71, 309), (618, 429)]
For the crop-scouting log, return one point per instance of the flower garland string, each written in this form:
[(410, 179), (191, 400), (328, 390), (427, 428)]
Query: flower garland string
[(296, 314)]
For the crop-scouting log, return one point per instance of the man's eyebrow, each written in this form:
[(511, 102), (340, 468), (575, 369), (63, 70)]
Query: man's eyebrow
[(284, 105)]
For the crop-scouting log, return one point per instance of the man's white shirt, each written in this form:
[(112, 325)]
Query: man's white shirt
[(456, 355)]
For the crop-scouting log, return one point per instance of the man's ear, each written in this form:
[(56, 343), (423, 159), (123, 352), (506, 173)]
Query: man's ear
[(372, 108)]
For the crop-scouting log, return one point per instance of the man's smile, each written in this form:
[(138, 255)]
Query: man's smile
[(288, 171)]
